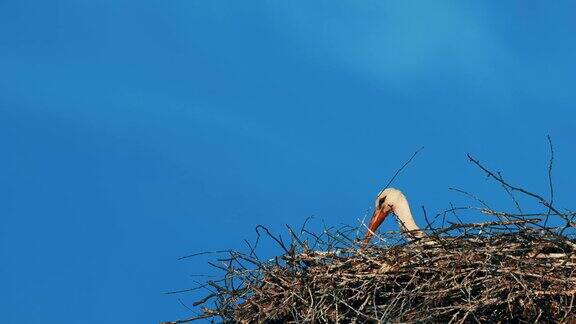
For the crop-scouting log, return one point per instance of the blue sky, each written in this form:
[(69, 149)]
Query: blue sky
[(135, 132)]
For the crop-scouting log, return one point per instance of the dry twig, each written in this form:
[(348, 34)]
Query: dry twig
[(510, 269)]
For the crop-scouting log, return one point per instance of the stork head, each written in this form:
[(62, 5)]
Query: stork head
[(384, 204)]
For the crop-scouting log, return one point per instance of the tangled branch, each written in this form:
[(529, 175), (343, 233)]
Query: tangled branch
[(513, 267)]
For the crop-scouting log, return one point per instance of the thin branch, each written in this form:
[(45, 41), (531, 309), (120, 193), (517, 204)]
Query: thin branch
[(402, 167), (514, 188), (550, 177)]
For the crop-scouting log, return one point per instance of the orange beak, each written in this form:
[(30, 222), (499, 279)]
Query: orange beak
[(377, 219)]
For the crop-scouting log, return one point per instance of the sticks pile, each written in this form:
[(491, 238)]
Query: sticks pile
[(481, 272), (508, 277), (515, 269)]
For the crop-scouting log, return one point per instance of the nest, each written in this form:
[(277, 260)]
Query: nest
[(506, 271), (513, 269)]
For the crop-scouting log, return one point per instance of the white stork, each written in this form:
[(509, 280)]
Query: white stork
[(392, 200)]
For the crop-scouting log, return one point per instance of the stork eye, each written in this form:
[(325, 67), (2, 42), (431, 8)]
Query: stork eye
[(381, 201)]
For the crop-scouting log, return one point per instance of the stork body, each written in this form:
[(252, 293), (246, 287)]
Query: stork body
[(393, 200)]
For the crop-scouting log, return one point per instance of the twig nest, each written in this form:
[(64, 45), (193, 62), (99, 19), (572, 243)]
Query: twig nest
[(524, 276)]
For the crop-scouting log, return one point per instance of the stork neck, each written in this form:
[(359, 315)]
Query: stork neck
[(405, 219)]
